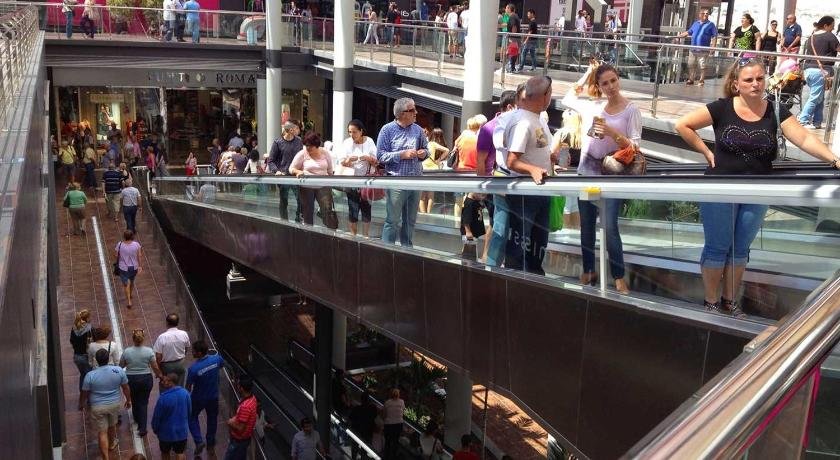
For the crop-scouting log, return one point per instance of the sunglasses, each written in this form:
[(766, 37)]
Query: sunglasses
[(747, 61)]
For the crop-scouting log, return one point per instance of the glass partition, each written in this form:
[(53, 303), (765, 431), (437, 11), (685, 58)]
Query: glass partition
[(738, 257)]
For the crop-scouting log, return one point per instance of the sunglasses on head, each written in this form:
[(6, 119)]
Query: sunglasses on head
[(747, 61)]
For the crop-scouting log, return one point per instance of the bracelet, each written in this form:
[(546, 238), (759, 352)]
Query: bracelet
[(617, 138), (834, 163)]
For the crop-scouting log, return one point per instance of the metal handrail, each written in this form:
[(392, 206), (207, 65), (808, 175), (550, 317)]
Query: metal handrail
[(721, 421), (812, 190)]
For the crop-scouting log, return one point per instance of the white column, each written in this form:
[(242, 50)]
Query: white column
[(262, 117), (479, 57), (343, 43), (457, 413), (339, 344), (274, 29), (634, 18)]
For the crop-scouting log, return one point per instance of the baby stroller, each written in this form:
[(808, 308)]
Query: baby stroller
[(786, 85)]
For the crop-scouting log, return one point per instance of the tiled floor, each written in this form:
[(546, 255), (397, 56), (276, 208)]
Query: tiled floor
[(81, 287)]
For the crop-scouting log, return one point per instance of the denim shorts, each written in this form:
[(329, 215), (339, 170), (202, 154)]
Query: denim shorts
[(128, 275)]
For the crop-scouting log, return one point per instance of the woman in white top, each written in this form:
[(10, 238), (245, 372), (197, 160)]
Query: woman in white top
[(101, 342), (358, 154), (372, 28), (314, 160), (618, 125), (253, 166), (392, 413)]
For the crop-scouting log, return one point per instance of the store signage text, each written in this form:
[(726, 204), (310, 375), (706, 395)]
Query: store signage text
[(203, 78)]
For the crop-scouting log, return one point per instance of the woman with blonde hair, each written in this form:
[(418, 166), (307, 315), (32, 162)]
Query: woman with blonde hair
[(392, 414), (438, 152), (746, 133), (80, 336), (140, 364)]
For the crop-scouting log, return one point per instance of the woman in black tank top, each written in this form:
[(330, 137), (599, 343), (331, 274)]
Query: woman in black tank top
[(770, 42)]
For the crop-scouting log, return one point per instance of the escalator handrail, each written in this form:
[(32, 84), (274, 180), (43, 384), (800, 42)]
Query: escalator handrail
[(813, 190), (335, 420), (731, 407)]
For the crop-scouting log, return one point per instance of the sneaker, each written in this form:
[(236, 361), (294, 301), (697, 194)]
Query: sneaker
[(809, 126)]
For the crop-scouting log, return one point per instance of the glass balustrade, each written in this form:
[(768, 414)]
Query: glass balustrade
[(655, 241)]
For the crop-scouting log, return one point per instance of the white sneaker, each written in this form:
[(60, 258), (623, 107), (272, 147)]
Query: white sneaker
[(809, 126)]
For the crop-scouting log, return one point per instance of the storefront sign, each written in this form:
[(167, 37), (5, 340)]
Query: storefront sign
[(203, 78), (107, 98)]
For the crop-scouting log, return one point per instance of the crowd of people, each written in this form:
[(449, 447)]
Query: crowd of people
[(179, 17), (112, 379)]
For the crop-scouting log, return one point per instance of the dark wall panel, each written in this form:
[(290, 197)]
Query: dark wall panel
[(545, 352), (483, 298), (376, 287), (722, 350), (637, 370), (322, 272), (408, 301), (348, 276), (444, 313)]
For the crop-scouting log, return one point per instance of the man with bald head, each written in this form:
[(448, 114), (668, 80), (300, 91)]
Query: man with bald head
[(529, 154), (792, 34)]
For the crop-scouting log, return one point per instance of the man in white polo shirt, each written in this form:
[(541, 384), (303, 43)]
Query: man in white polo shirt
[(171, 349)]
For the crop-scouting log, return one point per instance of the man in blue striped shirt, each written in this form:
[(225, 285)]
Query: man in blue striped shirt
[(401, 148)]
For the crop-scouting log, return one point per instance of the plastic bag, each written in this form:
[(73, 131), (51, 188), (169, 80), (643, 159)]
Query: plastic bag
[(555, 213)]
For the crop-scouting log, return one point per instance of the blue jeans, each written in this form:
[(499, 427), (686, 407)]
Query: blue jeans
[(140, 386), (528, 219), (130, 215), (615, 251), (68, 26), (237, 450), (195, 29), (812, 111), (529, 49), (211, 408), (499, 237), (83, 364), (284, 202), (401, 207), (729, 230)]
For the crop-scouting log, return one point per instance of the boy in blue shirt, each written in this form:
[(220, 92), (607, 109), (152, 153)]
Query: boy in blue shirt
[(203, 384)]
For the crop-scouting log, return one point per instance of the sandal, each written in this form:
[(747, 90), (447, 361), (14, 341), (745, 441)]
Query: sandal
[(732, 307), (689, 82), (712, 306), (590, 278)]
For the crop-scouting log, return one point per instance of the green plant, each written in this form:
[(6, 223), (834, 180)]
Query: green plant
[(637, 209), (126, 14)]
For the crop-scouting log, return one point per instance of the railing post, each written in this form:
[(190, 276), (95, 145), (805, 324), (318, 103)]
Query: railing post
[(655, 97), (504, 59), (441, 50), (414, 47)]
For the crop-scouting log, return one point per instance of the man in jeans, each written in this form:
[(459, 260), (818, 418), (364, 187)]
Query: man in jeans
[(192, 7), (529, 153), (130, 201), (242, 424), (112, 182), (283, 151), (203, 385), (401, 147), (101, 388)]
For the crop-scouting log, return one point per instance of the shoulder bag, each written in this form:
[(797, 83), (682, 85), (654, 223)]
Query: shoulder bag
[(117, 262), (829, 79), (629, 161), (373, 194)]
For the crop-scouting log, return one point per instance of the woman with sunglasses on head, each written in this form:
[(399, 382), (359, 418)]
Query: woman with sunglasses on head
[(770, 42), (613, 124), (140, 363), (745, 129)]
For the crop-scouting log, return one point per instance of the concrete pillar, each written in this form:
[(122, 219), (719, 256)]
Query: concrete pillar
[(274, 30), (448, 125), (339, 344), (262, 117), (323, 371), (458, 410), (480, 56), (343, 42), (634, 18)]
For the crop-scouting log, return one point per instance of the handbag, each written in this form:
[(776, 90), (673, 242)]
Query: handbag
[(452, 159), (373, 194), (117, 262), (555, 213), (66, 203), (629, 161), (828, 79)]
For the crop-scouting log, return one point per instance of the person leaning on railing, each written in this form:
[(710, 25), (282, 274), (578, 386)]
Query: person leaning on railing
[(745, 129), (701, 32), (822, 43)]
